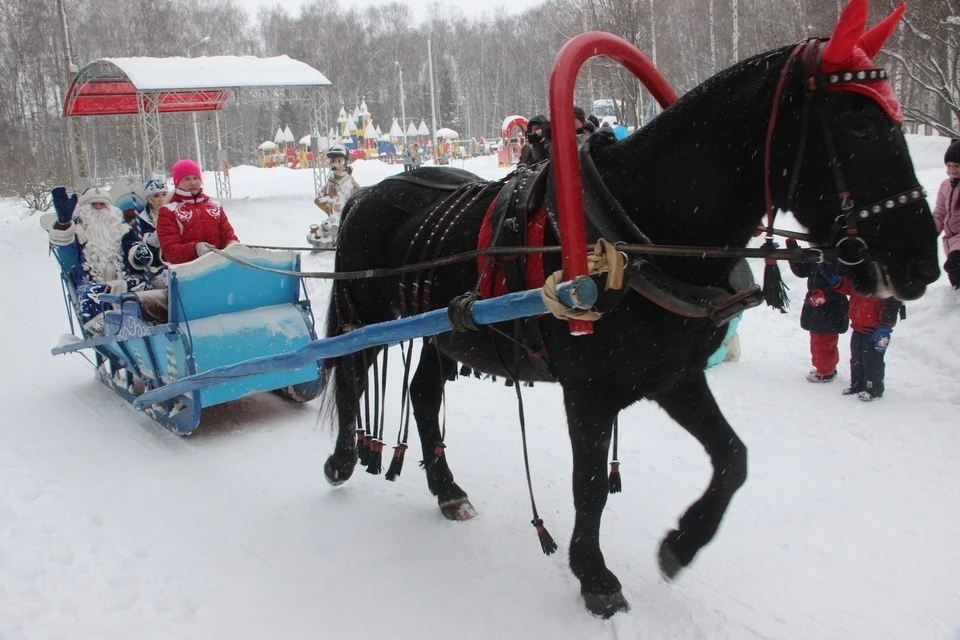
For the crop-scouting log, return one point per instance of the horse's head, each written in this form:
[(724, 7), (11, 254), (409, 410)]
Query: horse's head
[(851, 181)]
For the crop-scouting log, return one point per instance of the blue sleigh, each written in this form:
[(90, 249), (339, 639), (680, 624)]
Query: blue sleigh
[(221, 313)]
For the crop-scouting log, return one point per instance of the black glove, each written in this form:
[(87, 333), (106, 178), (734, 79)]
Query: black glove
[(63, 205), (792, 244)]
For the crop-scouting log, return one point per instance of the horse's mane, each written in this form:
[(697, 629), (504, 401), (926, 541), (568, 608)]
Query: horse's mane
[(700, 161)]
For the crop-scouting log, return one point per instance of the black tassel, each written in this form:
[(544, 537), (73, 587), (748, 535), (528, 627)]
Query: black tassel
[(375, 466), (546, 540), (360, 454), (528, 383), (437, 453), (615, 484), (396, 465), (774, 289), (363, 450), (508, 382), (465, 370)]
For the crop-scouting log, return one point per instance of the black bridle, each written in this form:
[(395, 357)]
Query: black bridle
[(845, 234)]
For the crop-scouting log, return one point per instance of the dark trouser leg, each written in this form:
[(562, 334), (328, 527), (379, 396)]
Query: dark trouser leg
[(859, 342), (824, 353), (952, 267), (873, 368)]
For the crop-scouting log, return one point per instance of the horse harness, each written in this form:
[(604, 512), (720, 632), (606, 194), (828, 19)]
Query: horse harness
[(845, 233)]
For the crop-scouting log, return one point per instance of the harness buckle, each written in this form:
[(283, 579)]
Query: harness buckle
[(846, 202)]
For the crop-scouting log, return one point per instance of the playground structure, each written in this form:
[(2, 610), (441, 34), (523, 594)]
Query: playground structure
[(512, 136), (149, 88), (280, 152)]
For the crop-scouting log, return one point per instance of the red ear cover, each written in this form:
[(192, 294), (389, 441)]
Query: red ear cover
[(849, 49), (872, 41), (847, 32)]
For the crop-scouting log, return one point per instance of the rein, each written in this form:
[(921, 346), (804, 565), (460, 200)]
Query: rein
[(794, 255)]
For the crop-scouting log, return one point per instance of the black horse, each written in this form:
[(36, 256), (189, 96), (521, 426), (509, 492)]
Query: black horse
[(698, 175)]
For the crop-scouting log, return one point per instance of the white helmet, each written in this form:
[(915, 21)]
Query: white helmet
[(337, 150)]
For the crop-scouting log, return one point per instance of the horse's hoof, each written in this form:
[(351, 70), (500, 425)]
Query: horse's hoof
[(670, 564), (605, 605), (335, 473), (458, 509)]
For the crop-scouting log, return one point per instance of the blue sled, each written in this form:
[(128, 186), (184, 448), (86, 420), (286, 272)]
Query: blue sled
[(221, 313)]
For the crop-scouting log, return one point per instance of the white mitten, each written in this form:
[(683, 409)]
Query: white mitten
[(203, 247)]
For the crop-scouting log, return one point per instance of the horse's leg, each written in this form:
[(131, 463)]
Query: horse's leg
[(590, 416), (426, 394), (350, 382), (692, 405)]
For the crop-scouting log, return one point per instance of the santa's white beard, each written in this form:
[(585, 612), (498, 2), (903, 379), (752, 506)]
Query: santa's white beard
[(99, 233)]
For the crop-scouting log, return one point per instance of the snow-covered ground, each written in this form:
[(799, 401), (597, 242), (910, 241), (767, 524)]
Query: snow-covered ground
[(113, 528)]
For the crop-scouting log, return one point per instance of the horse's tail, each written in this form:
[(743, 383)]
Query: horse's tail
[(333, 328)]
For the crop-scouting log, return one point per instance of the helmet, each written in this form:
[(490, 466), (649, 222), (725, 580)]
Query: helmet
[(337, 151)]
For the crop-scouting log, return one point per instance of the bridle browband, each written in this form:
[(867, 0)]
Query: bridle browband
[(845, 235)]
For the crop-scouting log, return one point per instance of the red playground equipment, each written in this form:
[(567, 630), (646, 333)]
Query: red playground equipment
[(512, 135)]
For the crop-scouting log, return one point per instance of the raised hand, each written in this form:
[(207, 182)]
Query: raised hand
[(63, 204)]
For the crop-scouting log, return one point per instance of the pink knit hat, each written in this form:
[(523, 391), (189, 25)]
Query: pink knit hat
[(183, 168)]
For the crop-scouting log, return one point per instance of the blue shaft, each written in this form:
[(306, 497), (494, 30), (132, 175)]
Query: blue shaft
[(580, 293)]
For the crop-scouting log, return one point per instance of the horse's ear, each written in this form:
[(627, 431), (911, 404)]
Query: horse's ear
[(846, 33), (872, 41)]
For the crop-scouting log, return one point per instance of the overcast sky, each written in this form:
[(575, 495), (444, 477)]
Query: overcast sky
[(472, 8)]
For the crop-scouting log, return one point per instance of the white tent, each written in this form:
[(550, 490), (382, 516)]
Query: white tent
[(343, 115), (412, 131), (285, 136), (449, 134), (278, 136), (395, 130), (422, 129), (205, 72), (267, 146), (369, 132), (379, 132)]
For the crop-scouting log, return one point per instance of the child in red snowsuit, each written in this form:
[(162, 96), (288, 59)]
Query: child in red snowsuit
[(824, 314), (872, 320)]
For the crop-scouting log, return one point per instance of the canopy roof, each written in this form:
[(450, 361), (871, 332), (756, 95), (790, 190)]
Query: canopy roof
[(116, 86)]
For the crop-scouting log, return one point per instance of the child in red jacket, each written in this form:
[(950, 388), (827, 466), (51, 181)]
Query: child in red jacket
[(191, 224), (872, 320)]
